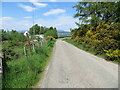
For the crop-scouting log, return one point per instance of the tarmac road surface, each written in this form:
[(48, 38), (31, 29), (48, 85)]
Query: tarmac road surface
[(71, 67)]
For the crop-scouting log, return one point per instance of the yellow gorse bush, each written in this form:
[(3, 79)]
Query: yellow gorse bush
[(113, 53), (89, 33), (97, 41), (50, 38), (103, 38)]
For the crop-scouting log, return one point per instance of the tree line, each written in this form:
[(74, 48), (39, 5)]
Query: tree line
[(99, 28), (36, 29), (12, 35)]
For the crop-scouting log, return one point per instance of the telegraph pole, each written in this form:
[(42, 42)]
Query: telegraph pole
[(33, 27), (33, 21)]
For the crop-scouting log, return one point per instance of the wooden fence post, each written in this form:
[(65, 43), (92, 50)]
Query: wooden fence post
[(25, 51), (29, 43)]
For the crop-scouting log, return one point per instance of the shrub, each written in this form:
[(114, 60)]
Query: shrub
[(49, 38), (105, 36), (113, 54)]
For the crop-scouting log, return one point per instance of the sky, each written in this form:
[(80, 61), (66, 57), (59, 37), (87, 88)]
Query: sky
[(19, 15)]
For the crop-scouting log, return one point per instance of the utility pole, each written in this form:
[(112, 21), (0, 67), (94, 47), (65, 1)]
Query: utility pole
[(33, 29), (33, 20)]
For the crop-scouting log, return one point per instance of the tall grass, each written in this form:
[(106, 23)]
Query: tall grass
[(24, 72)]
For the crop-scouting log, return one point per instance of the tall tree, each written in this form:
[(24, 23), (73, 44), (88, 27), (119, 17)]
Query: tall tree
[(34, 29), (96, 12)]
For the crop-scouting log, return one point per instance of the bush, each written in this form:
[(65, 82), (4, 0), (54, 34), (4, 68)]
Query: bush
[(49, 38), (113, 54), (105, 36)]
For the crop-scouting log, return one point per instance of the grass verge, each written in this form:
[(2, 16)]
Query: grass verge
[(25, 71), (85, 48)]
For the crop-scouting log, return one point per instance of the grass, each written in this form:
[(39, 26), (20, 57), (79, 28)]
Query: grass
[(84, 47), (25, 71), (92, 51)]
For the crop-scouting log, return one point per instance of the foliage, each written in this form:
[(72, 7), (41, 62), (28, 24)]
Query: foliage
[(11, 39), (113, 54), (49, 38), (43, 30), (38, 38), (51, 32), (100, 38), (100, 30), (97, 12), (24, 72), (35, 29), (13, 36), (20, 68)]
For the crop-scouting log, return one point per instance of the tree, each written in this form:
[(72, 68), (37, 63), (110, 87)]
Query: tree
[(51, 31), (100, 30), (97, 12), (34, 29)]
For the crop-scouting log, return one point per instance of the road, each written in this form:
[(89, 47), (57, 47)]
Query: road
[(71, 67)]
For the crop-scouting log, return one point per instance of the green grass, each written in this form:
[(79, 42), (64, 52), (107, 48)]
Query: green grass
[(84, 47), (87, 48), (25, 71), (0, 46)]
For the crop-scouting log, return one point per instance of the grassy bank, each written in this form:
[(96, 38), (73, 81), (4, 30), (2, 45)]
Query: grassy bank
[(24, 72), (85, 48)]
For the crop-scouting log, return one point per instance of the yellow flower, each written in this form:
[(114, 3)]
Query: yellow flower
[(113, 53)]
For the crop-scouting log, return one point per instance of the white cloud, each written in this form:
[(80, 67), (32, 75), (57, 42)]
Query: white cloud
[(40, 4), (33, 1), (36, 3), (53, 0), (9, 24), (54, 12), (61, 23), (6, 18), (27, 17), (27, 8), (47, 0)]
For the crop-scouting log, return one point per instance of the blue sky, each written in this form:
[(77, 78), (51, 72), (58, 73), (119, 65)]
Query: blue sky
[(19, 15)]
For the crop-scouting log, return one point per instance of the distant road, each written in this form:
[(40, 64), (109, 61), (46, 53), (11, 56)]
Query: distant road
[(71, 67)]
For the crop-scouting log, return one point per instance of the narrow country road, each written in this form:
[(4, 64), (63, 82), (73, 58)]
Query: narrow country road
[(71, 67)]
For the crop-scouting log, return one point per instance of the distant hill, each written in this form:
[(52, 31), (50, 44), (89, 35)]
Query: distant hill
[(62, 31), (22, 31), (64, 34)]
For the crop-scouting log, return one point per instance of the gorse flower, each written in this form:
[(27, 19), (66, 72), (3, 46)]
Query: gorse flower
[(103, 38)]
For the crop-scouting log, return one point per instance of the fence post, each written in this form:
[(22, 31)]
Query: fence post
[(25, 52), (29, 43)]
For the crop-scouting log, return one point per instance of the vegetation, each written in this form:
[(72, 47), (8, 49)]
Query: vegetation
[(97, 12), (49, 38), (20, 70), (13, 36), (84, 47), (24, 72), (100, 30), (43, 30)]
